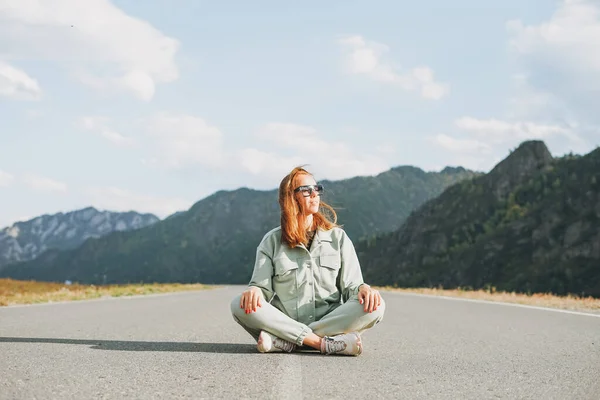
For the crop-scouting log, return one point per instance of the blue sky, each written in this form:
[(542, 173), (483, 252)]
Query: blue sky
[(151, 106)]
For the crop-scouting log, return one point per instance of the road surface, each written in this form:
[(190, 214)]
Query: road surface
[(186, 345)]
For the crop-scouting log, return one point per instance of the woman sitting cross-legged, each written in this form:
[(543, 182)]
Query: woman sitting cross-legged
[(307, 289)]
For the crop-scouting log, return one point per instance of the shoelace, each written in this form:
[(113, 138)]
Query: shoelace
[(334, 346), (284, 345)]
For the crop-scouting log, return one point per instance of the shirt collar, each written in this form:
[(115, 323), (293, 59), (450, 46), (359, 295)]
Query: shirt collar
[(324, 236)]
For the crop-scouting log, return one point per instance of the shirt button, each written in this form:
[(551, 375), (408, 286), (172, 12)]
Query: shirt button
[(310, 316)]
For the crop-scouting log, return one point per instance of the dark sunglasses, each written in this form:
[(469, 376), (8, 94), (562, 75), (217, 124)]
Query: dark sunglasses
[(308, 189)]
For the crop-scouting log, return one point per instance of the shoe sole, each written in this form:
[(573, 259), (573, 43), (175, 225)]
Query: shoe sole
[(265, 344), (358, 344)]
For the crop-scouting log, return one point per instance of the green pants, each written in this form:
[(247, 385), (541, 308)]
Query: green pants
[(347, 317)]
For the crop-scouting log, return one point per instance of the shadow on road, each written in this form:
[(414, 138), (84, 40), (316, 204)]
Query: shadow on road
[(124, 345)]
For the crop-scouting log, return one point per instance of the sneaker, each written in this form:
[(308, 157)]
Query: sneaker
[(347, 344), (268, 343)]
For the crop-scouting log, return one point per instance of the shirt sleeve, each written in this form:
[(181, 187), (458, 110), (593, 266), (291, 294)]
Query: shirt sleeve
[(351, 275), (262, 276)]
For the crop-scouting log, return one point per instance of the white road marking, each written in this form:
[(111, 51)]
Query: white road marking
[(501, 303)]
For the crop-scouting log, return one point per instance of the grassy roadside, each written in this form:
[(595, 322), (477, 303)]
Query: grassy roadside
[(573, 303), (32, 292)]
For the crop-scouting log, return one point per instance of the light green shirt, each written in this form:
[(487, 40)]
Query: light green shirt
[(305, 284)]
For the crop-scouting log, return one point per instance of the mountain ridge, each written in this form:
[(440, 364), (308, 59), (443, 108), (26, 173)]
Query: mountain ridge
[(25, 240), (215, 240), (532, 224)]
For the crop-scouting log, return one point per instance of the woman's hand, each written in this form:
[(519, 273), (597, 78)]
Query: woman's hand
[(251, 298), (369, 297)]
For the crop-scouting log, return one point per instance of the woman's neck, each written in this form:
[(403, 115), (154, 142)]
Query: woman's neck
[(308, 222)]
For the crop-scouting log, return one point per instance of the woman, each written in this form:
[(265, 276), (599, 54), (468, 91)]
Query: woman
[(307, 287)]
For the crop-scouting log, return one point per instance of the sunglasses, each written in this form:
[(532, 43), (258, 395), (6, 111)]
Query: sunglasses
[(307, 190)]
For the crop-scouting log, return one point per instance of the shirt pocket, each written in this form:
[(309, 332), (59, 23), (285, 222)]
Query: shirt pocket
[(329, 268), (285, 278)]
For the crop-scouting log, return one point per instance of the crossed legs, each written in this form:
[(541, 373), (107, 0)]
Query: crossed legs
[(348, 317)]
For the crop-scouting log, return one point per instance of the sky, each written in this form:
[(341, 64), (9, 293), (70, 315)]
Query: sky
[(151, 106)]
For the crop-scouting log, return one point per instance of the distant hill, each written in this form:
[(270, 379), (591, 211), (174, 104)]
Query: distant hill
[(24, 241), (532, 224), (215, 241)]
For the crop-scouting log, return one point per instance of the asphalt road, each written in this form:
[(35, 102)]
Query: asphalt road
[(186, 345)]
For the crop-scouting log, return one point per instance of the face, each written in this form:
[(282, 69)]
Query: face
[(309, 205)]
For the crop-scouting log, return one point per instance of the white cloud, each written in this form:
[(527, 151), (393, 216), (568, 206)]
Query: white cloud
[(267, 164), (367, 58), (165, 140), (560, 63), (300, 137), (97, 42), (529, 102), (460, 145), (117, 199), (482, 143), (385, 149), (100, 125), (304, 145), (181, 140), (497, 131), (5, 178), (569, 39), (44, 184), (16, 84)]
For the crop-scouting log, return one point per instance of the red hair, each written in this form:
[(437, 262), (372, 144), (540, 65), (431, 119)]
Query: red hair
[(292, 219)]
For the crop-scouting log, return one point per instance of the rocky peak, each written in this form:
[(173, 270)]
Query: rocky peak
[(527, 159), (453, 170), (27, 239)]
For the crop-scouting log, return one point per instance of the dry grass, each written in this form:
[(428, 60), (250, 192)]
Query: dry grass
[(30, 292), (573, 303)]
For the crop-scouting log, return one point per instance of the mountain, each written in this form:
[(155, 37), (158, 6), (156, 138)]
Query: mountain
[(24, 241), (532, 224), (215, 240), (368, 206)]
